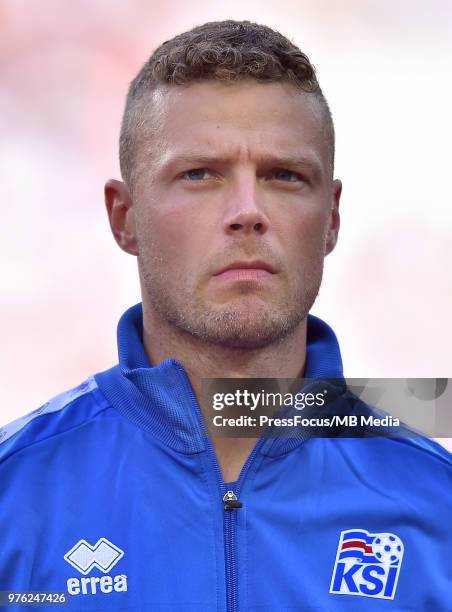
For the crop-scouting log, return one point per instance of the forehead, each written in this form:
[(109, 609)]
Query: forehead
[(245, 118)]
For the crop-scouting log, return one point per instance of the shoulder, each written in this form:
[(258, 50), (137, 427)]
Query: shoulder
[(411, 463), (425, 450), (398, 439), (63, 412)]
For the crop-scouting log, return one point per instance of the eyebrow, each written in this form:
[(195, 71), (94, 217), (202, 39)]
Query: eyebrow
[(297, 161), (291, 161)]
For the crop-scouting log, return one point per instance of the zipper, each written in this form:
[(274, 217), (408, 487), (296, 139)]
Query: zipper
[(231, 505), (230, 501), (230, 562)]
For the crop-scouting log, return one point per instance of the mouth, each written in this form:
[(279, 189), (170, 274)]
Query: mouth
[(246, 270)]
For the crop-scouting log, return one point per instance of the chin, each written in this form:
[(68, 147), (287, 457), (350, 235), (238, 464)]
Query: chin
[(247, 327), (246, 339)]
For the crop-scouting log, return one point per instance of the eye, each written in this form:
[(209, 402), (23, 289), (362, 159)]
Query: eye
[(280, 174), (196, 174)]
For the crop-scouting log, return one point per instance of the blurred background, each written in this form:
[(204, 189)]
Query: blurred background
[(65, 67)]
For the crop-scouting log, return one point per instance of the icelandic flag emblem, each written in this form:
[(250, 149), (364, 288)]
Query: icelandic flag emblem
[(367, 564)]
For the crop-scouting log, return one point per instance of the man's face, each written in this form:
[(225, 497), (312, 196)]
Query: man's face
[(236, 174)]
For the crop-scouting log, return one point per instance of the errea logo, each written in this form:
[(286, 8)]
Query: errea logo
[(84, 557), (367, 564)]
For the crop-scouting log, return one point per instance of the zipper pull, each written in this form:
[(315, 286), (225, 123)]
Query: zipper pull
[(231, 502)]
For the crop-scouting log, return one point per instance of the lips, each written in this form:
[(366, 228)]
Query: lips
[(257, 265)]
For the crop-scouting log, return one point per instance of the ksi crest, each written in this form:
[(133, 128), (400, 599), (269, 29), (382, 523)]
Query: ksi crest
[(367, 564)]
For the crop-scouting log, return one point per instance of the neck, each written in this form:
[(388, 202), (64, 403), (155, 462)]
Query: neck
[(283, 359)]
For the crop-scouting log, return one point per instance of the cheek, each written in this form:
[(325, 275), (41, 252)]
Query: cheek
[(172, 237), (306, 232)]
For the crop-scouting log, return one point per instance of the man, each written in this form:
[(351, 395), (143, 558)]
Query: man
[(112, 491)]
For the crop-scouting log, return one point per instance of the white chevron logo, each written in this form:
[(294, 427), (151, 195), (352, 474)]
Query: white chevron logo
[(103, 555)]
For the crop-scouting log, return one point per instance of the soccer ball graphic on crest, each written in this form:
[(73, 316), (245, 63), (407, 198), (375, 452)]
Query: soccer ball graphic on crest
[(388, 548)]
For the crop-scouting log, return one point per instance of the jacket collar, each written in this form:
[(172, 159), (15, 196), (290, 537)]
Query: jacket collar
[(160, 399)]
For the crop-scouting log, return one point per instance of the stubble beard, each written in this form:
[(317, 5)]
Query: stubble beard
[(245, 322)]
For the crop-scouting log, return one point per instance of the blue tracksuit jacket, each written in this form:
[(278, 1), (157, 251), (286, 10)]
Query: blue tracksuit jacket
[(111, 493)]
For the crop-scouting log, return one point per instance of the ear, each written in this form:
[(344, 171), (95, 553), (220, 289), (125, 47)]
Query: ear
[(121, 215), (333, 230)]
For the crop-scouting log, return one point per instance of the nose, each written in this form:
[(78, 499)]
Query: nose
[(244, 212)]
